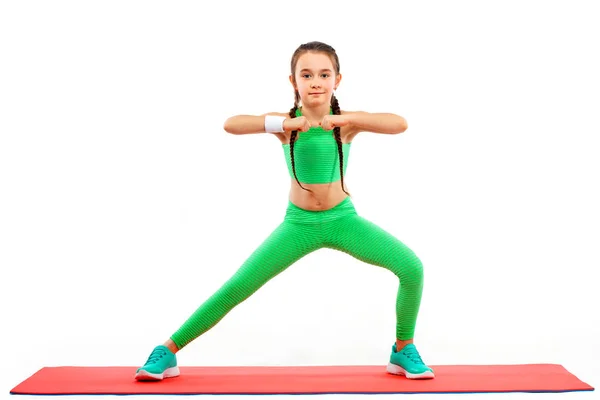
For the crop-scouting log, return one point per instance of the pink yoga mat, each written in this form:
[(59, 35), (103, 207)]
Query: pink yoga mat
[(303, 380)]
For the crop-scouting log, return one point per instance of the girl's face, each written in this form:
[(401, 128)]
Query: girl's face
[(315, 79)]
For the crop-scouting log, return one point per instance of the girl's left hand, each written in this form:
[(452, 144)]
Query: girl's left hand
[(331, 121)]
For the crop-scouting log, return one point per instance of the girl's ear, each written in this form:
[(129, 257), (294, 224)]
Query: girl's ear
[(338, 78), (293, 83)]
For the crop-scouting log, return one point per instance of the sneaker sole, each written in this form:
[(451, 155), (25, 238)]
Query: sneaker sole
[(144, 375), (398, 370)]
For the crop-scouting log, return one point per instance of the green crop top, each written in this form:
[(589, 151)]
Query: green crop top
[(316, 156)]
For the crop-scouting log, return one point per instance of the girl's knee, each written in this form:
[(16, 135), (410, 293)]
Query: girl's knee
[(410, 270)]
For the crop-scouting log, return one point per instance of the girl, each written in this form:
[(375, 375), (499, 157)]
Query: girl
[(316, 137)]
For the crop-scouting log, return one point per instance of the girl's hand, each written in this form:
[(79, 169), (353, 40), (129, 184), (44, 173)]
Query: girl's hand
[(299, 124), (332, 121)]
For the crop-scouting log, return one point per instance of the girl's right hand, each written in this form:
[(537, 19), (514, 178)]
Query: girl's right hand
[(299, 124)]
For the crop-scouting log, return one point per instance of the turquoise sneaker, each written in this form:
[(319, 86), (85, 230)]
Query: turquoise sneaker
[(161, 364), (408, 362)]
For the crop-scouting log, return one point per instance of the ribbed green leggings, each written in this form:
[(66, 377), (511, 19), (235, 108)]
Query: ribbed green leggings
[(301, 233)]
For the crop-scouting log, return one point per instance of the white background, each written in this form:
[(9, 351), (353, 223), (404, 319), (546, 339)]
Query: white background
[(124, 204)]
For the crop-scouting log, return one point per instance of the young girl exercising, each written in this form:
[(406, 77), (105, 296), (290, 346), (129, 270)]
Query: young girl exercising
[(316, 137)]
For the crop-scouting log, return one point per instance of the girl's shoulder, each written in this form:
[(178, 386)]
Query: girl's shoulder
[(349, 132)]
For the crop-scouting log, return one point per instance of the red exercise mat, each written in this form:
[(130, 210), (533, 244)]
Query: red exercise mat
[(303, 380)]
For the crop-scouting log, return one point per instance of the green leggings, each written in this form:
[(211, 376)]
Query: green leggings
[(301, 233)]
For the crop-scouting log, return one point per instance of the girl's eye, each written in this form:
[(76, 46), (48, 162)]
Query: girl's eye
[(306, 76)]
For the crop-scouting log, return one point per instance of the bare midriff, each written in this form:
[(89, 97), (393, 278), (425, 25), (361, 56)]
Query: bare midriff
[(323, 196)]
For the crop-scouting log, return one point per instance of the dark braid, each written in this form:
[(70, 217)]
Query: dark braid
[(335, 106), (293, 139)]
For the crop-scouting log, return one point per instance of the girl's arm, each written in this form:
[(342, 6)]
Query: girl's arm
[(244, 124), (386, 123)]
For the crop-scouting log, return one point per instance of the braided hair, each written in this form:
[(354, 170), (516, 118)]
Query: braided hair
[(293, 136), (335, 106)]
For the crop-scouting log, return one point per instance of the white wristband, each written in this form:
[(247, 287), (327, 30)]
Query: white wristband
[(274, 123)]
